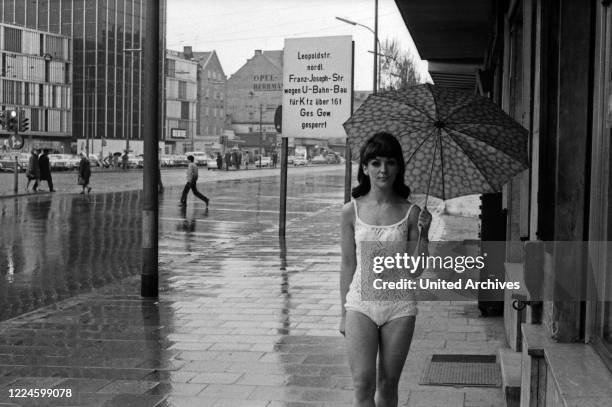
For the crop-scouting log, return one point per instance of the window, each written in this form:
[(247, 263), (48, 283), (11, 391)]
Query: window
[(12, 39), (182, 90), (170, 67), (185, 110)]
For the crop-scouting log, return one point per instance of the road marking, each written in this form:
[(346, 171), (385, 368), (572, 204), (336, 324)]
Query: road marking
[(202, 220), (246, 210)]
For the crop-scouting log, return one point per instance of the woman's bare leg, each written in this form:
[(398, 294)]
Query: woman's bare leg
[(395, 339), (362, 348)]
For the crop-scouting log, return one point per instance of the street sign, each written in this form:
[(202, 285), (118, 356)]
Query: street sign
[(15, 142)]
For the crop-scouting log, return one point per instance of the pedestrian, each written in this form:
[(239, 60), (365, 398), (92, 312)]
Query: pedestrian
[(116, 160), (219, 161), (33, 171), (84, 174), (235, 159), (124, 160), (45, 170), (274, 159), (160, 184), (246, 160), (238, 159), (192, 178), (227, 160), (379, 211)]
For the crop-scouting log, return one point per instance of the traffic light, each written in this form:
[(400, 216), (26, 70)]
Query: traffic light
[(3, 119), (24, 122), (13, 121)]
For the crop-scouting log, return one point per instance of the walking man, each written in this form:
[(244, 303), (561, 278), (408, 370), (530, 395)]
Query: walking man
[(192, 178), (45, 170), (33, 172)]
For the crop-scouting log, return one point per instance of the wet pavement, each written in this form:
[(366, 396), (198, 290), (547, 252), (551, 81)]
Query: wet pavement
[(243, 318)]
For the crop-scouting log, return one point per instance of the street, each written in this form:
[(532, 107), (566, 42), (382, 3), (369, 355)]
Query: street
[(56, 245)]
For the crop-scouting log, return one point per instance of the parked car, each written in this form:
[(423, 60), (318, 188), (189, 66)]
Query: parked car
[(211, 162), (199, 157), (332, 158), (135, 161), (299, 161), (94, 161), (180, 160), (8, 161), (319, 159), (166, 160), (265, 162)]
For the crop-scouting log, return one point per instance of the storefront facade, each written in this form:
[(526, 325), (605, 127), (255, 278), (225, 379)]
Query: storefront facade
[(547, 64)]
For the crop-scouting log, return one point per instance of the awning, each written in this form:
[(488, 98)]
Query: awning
[(451, 35)]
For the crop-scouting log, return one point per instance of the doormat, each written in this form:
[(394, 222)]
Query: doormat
[(462, 370)]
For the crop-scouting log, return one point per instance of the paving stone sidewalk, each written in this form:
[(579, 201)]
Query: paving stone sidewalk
[(248, 322)]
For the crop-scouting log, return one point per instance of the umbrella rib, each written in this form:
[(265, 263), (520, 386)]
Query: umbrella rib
[(468, 155), (442, 164), (476, 138)]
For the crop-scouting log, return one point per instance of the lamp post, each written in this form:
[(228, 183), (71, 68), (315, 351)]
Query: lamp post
[(376, 78), (131, 82)]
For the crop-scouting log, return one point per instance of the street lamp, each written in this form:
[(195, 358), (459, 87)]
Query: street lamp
[(131, 122), (376, 78)]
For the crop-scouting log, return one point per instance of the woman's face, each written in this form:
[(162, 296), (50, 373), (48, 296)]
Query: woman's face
[(382, 171)]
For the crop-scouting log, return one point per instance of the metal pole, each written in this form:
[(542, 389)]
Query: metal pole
[(348, 168), (86, 126), (260, 133), (150, 205), (16, 186), (375, 87), (282, 220)]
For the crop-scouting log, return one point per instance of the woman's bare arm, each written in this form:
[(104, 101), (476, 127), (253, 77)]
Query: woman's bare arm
[(349, 257)]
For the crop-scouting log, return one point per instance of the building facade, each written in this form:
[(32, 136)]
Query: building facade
[(181, 97), (107, 73), (212, 97), (548, 65), (35, 77), (253, 94)]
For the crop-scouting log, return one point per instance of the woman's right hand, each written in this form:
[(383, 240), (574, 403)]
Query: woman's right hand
[(341, 328)]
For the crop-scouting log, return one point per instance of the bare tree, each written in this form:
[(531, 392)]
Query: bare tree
[(397, 67)]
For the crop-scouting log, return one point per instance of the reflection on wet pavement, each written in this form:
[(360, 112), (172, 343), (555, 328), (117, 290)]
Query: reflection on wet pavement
[(53, 247), (243, 319)]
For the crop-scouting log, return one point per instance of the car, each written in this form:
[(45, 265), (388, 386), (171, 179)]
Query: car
[(265, 162), (299, 161), (8, 161), (199, 157), (319, 159), (94, 161), (58, 162), (211, 162), (332, 158), (135, 161), (180, 160), (166, 160), (290, 159)]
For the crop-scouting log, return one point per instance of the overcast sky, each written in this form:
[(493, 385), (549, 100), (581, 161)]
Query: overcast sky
[(236, 28)]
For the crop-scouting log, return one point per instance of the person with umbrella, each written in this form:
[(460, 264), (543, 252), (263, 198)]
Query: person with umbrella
[(45, 170), (84, 174), (33, 171), (455, 144), (379, 212)]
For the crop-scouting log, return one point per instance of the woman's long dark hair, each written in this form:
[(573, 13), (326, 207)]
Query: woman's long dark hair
[(381, 144)]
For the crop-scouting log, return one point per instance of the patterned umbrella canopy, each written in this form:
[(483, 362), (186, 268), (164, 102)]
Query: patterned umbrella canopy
[(454, 143)]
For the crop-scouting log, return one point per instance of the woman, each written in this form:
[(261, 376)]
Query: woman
[(379, 211), (84, 173)]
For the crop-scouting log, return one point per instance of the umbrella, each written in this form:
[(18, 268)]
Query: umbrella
[(454, 143)]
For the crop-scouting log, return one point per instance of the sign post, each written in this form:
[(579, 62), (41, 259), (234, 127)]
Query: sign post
[(317, 83)]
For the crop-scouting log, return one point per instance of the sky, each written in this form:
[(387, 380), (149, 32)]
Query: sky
[(236, 28)]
